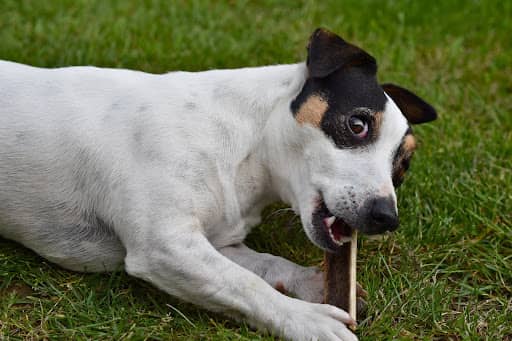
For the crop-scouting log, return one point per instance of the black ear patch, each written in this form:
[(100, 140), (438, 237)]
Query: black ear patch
[(414, 108), (327, 52), (342, 83)]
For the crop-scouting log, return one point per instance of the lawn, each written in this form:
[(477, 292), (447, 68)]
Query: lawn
[(445, 274)]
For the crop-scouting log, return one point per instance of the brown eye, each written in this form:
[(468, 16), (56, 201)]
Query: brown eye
[(358, 126)]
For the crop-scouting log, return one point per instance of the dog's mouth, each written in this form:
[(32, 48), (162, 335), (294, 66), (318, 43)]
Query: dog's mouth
[(336, 231)]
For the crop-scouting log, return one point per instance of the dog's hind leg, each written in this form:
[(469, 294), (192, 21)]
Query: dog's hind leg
[(79, 247), (306, 283)]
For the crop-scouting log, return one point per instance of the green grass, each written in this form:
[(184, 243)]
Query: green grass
[(446, 274)]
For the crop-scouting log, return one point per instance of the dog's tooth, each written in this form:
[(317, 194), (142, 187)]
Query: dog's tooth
[(329, 221)]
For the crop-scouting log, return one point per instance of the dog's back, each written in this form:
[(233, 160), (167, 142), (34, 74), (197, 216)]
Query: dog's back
[(53, 173), (76, 142)]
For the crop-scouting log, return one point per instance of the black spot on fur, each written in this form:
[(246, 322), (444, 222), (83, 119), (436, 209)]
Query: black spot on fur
[(143, 108), (190, 106), (114, 106), (21, 136), (137, 136)]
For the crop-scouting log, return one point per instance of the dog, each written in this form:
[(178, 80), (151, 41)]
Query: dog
[(164, 175)]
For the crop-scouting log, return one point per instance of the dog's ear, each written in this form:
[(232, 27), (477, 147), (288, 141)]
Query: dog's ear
[(327, 52), (414, 108)]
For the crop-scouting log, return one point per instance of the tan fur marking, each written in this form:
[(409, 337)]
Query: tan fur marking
[(405, 153), (312, 111), (409, 143), (377, 122)]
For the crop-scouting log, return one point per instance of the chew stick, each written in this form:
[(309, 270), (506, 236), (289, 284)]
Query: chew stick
[(340, 277)]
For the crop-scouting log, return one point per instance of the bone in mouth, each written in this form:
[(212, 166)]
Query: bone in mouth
[(340, 277)]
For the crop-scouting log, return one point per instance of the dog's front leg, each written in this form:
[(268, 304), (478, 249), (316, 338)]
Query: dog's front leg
[(306, 283), (183, 263)]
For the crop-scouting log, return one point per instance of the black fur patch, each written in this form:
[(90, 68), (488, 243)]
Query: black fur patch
[(345, 77), (401, 161), (351, 92)]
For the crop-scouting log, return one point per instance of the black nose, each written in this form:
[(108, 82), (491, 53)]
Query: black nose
[(383, 214)]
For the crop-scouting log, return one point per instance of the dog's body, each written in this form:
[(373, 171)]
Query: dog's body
[(166, 174), (91, 148)]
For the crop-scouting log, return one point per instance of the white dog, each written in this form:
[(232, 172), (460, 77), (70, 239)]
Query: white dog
[(166, 174)]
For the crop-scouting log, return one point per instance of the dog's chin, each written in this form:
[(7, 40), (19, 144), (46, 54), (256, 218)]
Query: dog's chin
[(331, 232)]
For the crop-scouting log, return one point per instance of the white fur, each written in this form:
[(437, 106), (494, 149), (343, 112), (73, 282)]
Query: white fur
[(166, 174)]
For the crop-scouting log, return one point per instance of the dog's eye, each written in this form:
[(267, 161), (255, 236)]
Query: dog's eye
[(358, 126)]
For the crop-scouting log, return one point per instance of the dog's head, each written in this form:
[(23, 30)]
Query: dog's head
[(357, 142)]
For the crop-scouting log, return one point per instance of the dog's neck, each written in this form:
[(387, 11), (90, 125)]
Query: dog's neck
[(280, 141)]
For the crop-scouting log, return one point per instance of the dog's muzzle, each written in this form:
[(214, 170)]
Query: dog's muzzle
[(377, 215), (382, 216)]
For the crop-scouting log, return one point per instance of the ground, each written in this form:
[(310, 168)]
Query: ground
[(447, 272)]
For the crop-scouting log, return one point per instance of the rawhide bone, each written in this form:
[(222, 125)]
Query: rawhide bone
[(340, 277)]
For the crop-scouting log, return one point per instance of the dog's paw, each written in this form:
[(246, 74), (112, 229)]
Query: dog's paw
[(308, 285), (306, 321)]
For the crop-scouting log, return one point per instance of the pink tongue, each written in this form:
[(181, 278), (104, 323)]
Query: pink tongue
[(339, 229)]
